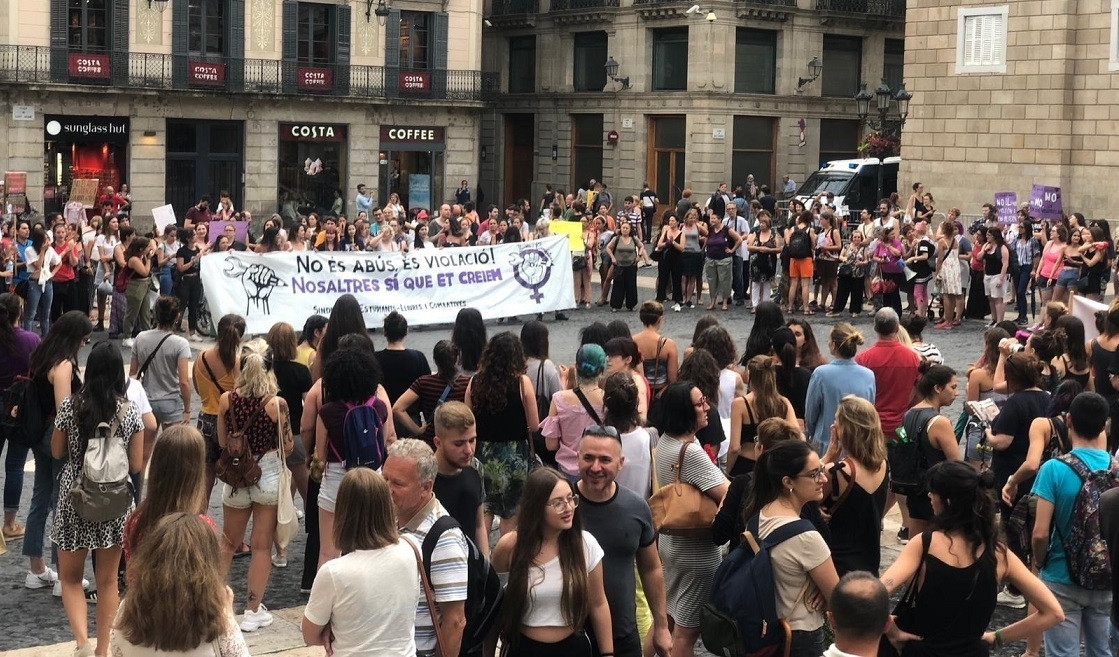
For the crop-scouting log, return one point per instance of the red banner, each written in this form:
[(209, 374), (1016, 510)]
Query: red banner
[(206, 74), (82, 65), (314, 78), (414, 81)]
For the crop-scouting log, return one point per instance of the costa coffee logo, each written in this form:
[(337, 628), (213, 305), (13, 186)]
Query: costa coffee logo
[(312, 131)]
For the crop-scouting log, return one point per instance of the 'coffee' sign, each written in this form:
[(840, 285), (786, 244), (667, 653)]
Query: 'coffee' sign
[(314, 78), (206, 74), (82, 65), (414, 81), (399, 134)]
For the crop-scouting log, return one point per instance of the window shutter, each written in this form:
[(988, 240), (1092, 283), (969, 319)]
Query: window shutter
[(59, 41), (119, 43), (342, 51), (180, 48), (998, 41), (984, 40), (392, 53), (235, 51), (290, 46), (439, 44)]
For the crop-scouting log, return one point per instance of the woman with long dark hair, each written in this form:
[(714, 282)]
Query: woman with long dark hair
[(554, 574), (345, 318), (16, 346), (808, 351), (1073, 364), (996, 263), (932, 431), (188, 262), (669, 246), (137, 262), (620, 402), (42, 264), (792, 379), (214, 373), (761, 403), (689, 561), (53, 368), (786, 478), (767, 319), (119, 298), (954, 571), (504, 405), (469, 335), (101, 400)]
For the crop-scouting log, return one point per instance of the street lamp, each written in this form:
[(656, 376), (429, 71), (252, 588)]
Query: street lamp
[(883, 95), (612, 73)]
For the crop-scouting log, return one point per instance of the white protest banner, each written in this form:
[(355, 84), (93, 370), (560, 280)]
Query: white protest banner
[(164, 216), (1085, 310), (428, 286)]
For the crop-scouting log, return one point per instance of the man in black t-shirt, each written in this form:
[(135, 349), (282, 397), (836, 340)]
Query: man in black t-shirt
[(458, 484)]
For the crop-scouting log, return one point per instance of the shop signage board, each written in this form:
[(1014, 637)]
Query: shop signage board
[(206, 74), (86, 129), (396, 135), (85, 65), (314, 78), (1006, 205), (427, 286), (414, 81), (313, 132), (84, 191)]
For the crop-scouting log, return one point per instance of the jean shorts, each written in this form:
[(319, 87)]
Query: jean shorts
[(265, 492), (168, 411), (975, 450), (1068, 278), (328, 489)]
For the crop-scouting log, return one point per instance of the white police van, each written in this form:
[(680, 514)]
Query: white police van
[(853, 182)]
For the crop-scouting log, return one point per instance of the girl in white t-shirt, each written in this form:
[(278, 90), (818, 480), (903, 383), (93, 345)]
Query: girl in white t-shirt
[(102, 254), (43, 262), (554, 575)]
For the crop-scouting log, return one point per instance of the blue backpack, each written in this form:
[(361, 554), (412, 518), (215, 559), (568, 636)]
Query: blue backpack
[(740, 620), (363, 438)]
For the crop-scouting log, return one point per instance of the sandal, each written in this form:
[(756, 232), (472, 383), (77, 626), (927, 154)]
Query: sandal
[(243, 551), (17, 532)]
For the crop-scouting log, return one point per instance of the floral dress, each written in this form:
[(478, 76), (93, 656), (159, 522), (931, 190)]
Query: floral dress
[(70, 531), (948, 278)]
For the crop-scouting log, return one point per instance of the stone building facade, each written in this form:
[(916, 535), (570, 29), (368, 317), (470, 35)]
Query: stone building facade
[(1009, 94), (707, 100), (278, 102)]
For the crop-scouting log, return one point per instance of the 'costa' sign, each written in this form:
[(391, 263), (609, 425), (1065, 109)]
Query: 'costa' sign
[(206, 74), (312, 132), (394, 134), (314, 78), (82, 65)]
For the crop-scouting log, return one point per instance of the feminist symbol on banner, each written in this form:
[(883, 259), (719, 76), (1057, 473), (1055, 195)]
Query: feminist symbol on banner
[(532, 268), (257, 279)]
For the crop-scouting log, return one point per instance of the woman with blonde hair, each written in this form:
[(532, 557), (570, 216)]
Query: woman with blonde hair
[(178, 605), (858, 484), (832, 382), (746, 413), (364, 602), (254, 408)]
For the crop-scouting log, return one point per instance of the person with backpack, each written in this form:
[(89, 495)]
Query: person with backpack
[(1068, 542), (215, 372), (926, 437), (555, 592), (16, 346), (253, 426), (952, 575), (98, 435), (800, 238), (410, 471), (351, 381)]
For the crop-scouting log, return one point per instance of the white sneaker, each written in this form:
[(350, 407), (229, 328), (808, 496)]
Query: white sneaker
[(675, 307), (1008, 599), (299, 513), (57, 590), (196, 337), (254, 620), (127, 342), (41, 581), (280, 559)]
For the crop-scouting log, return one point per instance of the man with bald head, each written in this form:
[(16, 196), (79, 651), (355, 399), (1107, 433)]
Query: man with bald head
[(859, 610)]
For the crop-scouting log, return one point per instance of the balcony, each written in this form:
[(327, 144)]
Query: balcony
[(771, 10), (583, 12), (884, 10), (514, 14), (140, 71), (580, 5)]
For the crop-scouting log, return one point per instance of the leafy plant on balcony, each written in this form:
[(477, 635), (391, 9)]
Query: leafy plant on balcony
[(880, 145)]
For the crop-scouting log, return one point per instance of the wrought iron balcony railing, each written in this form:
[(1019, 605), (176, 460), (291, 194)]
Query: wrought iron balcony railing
[(880, 8)]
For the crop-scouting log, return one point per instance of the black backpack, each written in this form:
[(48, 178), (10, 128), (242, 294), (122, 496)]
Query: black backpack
[(484, 592), (908, 465), (800, 244), (24, 422)]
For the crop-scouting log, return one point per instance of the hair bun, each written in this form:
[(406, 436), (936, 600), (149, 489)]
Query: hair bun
[(925, 366), (987, 480)]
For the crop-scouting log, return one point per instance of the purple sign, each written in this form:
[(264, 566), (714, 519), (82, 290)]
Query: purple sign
[(1045, 202), (1006, 204), (240, 230)]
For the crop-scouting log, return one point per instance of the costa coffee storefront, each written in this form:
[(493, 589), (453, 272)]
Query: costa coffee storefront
[(411, 160), (313, 159), (82, 147)]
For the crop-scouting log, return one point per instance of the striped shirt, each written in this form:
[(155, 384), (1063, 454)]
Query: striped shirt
[(449, 570)]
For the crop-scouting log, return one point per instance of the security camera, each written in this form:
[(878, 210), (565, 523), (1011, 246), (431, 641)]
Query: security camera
[(693, 9)]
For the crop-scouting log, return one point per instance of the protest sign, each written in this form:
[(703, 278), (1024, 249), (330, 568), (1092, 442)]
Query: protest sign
[(84, 191), (1006, 204), (573, 230), (1045, 202), (164, 216), (240, 230), (427, 286)]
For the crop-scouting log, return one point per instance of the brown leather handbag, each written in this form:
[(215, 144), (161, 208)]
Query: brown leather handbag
[(236, 465), (680, 508)]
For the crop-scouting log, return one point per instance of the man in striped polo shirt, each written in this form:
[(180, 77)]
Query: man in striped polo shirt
[(410, 471)]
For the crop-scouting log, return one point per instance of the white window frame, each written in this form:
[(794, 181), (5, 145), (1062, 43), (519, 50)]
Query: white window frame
[(967, 12), (1113, 48)]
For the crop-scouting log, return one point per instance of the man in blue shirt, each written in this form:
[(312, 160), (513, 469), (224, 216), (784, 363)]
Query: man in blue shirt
[(23, 235), (363, 202), (1087, 611)]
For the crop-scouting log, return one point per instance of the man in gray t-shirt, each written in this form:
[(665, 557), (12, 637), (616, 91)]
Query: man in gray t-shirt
[(623, 525), (167, 377)]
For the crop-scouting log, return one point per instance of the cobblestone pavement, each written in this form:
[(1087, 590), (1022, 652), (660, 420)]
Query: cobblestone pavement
[(33, 620)]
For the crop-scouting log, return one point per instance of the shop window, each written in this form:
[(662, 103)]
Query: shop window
[(88, 25), (755, 61), (839, 140), (843, 61), (522, 64), (312, 165), (981, 39), (670, 59), (315, 35), (587, 130), (415, 40), (893, 61), (752, 149), (206, 34), (589, 67)]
